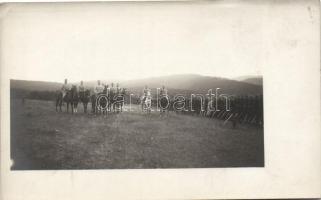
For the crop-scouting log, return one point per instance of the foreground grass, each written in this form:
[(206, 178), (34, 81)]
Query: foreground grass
[(44, 139)]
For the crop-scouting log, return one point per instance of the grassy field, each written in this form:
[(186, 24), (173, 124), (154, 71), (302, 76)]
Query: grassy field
[(44, 139)]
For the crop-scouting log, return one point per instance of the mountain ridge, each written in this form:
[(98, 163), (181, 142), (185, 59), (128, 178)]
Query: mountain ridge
[(188, 83)]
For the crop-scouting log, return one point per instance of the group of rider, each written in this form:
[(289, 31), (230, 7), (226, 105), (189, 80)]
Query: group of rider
[(147, 91), (99, 88), (248, 107)]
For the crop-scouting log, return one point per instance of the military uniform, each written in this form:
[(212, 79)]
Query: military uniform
[(81, 88), (99, 89), (64, 89)]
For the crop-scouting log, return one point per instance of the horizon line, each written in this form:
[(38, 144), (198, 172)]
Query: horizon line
[(151, 77)]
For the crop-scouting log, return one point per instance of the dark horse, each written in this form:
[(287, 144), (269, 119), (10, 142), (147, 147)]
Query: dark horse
[(108, 101), (164, 103), (119, 100), (84, 97), (71, 98), (99, 103)]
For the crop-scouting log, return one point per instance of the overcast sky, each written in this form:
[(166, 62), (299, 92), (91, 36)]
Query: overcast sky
[(128, 41)]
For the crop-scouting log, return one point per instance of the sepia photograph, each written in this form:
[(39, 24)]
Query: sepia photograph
[(160, 100), (153, 94)]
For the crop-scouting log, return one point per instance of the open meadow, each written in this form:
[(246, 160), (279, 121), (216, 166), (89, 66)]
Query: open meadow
[(41, 138)]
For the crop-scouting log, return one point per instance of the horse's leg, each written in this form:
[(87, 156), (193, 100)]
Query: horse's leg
[(67, 107), (72, 108), (93, 107), (76, 107), (60, 104)]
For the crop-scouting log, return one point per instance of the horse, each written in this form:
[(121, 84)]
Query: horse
[(59, 100), (118, 100), (93, 103), (164, 103), (146, 102), (111, 97), (84, 97), (71, 97), (99, 103)]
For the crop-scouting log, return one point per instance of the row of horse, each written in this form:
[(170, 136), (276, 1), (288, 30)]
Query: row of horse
[(112, 102), (238, 110)]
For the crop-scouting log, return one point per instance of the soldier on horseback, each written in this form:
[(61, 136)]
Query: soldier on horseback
[(112, 89), (146, 90), (146, 99), (98, 88), (81, 87), (84, 95), (164, 99), (119, 98), (118, 89), (163, 91), (65, 88)]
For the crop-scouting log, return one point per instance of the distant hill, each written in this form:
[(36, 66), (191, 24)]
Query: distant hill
[(196, 83), (256, 80), (184, 84)]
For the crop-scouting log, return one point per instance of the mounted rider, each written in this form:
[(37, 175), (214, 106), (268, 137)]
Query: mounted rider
[(99, 88), (163, 91), (118, 89), (106, 90), (146, 92), (112, 89), (81, 87), (163, 99), (65, 88)]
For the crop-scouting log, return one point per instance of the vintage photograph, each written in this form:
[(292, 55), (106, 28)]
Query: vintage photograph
[(135, 86)]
